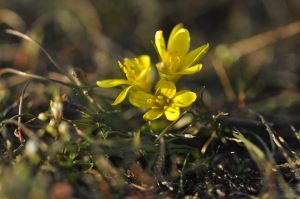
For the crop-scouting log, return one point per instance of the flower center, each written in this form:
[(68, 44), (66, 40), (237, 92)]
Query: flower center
[(133, 73), (174, 61), (162, 102), (170, 63)]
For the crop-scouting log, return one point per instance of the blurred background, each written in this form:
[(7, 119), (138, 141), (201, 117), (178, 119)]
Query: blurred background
[(73, 147), (253, 60)]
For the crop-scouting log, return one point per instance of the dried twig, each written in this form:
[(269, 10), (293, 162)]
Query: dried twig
[(24, 74), (250, 45), (19, 131), (220, 70), (26, 37)]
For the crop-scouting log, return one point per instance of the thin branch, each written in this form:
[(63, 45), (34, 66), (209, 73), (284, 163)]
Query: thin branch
[(24, 74), (20, 137), (259, 126), (249, 45), (25, 130), (26, 37), (60, 69), (224, 79)]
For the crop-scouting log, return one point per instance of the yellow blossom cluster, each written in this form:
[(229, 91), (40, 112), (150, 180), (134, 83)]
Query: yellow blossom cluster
[(175, 61)]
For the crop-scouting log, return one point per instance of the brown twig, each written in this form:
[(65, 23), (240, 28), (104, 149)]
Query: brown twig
[(224, 79), (26, 37), (249, 45), (25, 130), (33, 76), (259, 126), (19, 130), (59, 68)]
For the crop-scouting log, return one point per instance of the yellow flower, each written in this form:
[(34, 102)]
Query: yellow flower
[(175, 58), (137, 71), (165, 101)]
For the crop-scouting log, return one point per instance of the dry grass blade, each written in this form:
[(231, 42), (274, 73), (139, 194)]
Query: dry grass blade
[(24, 129), (224, 79), (26, 37), (20, 137), (21, 73), (249, 45), (267, 168)]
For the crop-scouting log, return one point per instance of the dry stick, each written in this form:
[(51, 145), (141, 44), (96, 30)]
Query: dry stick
[(208, 142), (25, 130), (279, 145), (26, 37), (249, 45), (220, 70), (276, 141), (28, 132), (21, 73), (74, 86), (254, 125), (258, 156), (86, 93), (20, 137)]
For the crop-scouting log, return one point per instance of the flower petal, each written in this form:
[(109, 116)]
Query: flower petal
[(143, 81), (172, 113), (160, 44), (179, 44), (122, 96), (112, 83), (138, 64), (141, 99), (144, 74), (144, 60), (184, 98), (165, 88), (191, 70), (153, 114), (145, 69), (194, 56), (175, 30)]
